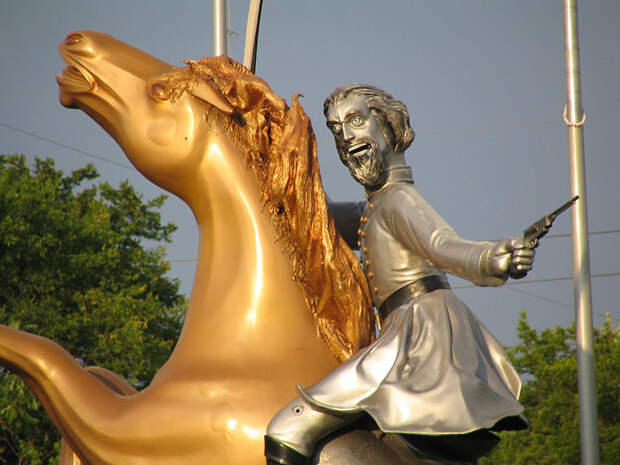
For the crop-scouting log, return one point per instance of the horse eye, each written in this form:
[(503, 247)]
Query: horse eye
[(158, 91)]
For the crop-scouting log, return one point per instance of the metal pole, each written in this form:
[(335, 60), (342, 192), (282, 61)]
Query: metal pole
[(219, 27), (574, 118), (251, 35)]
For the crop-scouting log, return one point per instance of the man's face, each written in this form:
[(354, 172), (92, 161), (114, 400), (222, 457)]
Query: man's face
[(360, 140)]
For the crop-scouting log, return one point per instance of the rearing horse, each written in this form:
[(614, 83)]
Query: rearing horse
[(272, 273)]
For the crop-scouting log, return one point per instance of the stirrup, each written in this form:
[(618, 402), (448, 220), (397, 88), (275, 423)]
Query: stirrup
[(279, 454)]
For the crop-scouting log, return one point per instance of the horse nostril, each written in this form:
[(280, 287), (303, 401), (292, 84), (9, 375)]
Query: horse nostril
[(73, 39)]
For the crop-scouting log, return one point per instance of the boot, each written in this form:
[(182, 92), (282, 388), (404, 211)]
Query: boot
[(279, 454)]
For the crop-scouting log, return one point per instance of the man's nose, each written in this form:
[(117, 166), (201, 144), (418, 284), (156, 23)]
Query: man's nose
[(347, 133)]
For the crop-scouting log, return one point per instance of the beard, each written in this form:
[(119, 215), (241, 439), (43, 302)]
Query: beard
[(365, 164)]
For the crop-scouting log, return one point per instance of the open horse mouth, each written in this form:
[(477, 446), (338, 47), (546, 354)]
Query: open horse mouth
[(75, 78), (72, 79)]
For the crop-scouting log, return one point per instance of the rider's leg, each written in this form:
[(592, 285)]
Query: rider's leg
[(294, 431)]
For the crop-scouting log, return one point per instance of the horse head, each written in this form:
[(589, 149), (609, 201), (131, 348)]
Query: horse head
[(120, 87)]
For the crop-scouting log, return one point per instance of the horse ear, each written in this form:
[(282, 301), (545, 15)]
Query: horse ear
[(206, 91)]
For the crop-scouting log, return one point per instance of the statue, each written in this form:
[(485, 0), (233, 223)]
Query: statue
[(435, 373), (272, 272)]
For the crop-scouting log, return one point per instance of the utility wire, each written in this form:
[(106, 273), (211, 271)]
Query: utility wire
[(608, 231), (181, 260), (107, 160), (553, 301), (65, 146), (542, 280)]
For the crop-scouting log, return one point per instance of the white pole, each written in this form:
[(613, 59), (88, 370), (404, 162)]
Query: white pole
[(574, 117), (251, 35), (219, 27)]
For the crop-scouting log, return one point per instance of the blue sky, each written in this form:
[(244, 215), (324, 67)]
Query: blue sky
[(484, 83)]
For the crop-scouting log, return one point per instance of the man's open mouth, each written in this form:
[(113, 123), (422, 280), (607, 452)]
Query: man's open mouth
[(359, 150)]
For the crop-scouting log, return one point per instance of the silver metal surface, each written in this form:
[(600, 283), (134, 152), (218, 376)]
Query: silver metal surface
[(361, 447), (434, 369), (251, 35), (284, 427), (581, 253), (405, 239), (219, 27)]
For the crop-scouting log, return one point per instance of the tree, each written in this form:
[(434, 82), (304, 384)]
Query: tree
[(547, 361), (74, 268)]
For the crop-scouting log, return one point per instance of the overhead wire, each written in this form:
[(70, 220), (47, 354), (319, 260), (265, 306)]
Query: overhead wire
[(181, 260), (509, 287), (65, 146), (564, 304)]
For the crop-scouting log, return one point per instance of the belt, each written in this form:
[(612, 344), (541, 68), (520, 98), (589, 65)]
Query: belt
[(411, 291)]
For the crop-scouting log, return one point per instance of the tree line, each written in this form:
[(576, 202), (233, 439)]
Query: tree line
[(75, 266)]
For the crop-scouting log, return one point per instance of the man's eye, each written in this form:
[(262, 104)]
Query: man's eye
[(356, 121), (336, 128)]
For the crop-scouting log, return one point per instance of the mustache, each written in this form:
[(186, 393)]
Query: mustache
[(356, 151), (364, 163)]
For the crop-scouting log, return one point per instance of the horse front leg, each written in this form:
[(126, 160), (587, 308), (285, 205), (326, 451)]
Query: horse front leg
[(75, 401)]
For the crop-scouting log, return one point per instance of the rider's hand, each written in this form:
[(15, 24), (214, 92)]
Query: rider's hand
[(510, 257)]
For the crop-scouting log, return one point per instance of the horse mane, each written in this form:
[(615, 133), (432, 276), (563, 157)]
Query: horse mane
[(280, 149)]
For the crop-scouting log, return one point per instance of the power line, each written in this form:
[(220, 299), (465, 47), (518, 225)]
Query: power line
[(553, 301), (182, 260), (542, 280), (608, 231), (65, 146)]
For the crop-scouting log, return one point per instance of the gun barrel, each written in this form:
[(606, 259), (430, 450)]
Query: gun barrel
[(543, 225), (564, 207)]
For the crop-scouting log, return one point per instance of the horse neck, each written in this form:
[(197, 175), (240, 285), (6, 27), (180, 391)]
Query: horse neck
[(243, 296)]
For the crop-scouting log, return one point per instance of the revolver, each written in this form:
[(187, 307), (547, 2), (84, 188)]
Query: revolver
[(533, 233)]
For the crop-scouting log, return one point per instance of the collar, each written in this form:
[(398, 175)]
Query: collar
[(396, 174)]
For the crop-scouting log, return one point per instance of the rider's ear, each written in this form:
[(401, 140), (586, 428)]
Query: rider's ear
[(204, 89)]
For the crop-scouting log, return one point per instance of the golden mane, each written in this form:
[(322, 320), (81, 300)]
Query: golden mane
[(280, 149)]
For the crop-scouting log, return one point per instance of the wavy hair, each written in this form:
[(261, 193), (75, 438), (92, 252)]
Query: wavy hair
[(391, 114), (280, 149)]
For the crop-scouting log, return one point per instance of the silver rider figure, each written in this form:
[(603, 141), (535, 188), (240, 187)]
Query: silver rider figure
[(435, 373)]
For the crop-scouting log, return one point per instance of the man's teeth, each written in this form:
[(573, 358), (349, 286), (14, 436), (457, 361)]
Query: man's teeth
[(359, 149)]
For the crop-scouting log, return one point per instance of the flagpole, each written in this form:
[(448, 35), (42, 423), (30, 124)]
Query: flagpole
[(574, 117), (219, 27)]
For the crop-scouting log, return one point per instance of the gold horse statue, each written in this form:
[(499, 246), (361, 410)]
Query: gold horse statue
[(278, 298)]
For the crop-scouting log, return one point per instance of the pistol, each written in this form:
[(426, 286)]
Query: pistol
[(533, 233)]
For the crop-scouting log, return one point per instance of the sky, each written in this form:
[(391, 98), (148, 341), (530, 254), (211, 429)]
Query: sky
[(484, 82)]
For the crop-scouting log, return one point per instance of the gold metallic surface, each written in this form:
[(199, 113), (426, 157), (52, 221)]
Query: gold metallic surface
[(217, 137)]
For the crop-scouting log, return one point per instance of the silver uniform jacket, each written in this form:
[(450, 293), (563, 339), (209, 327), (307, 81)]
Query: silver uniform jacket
[(434, 369), (403, 239)]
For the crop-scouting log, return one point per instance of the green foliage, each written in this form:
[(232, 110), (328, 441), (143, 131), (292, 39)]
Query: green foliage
[(73, 268), (547, 360)]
